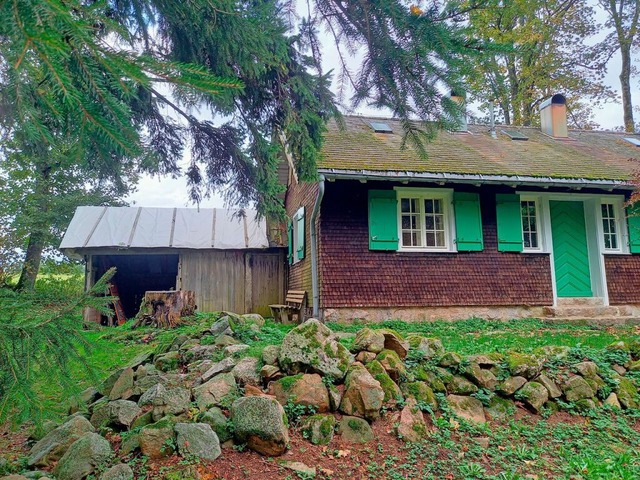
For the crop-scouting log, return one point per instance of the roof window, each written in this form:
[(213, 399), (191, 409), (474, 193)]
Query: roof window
[(515, 135), (380, 127)]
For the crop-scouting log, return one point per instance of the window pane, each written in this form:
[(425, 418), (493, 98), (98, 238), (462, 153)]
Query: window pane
[(404, 205), (428, 206), (437, 206), (533, 243), (429, 222), (527, 240), (607, 241), (439, 222), (440, 239), (529, 224), (406, 239), (406, 222), (431, 239), (609, 228)]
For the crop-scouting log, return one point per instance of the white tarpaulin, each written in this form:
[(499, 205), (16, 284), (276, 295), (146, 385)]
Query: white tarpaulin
[(140, 227)]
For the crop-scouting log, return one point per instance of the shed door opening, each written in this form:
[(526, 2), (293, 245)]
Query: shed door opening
[(137, 274)]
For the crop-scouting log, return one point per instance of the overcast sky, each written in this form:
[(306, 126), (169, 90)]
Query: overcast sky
[(167, 192)]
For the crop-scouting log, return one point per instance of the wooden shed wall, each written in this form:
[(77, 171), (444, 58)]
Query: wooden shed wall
[(236, 280)]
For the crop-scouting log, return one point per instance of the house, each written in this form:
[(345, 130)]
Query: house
[(224, 256), (496, 223)]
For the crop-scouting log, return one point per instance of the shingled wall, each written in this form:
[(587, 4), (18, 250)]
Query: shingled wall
[(354, 276), (623, 279)]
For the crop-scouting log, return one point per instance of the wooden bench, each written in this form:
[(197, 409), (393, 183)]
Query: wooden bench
[(293, 311)]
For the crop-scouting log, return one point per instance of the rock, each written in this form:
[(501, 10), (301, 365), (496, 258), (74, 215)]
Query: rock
[(511, 385), (100, 413), (318, 429), (368, 340), (524, 364), (612, 401), (586, 369), (122, 471), (223, 366), (166, 401), (619, 369), (198, 353), (392, 393), (270, 355), (178, 341), (363, 394), (365, 357), (105, 387), (197, 439), (156, 439), (246, 372), (53, 445), (335, 397), (393, 341), (550, 385), (221, 327), (500, 409), (221, 390), (584, 405), (634, 366), (481, 377), (486, 361), (468, 408), (261, 423), (129, 444), (225, 341), (123, 386), (412, 427), (534, 395), (302, 470), (270, 373), (218, 422), (311, 347), (123, 412), (482, 442), (249, 319), (461, 386), (450, 359), (83, 456), (428, 347), (576, 388), (167, 361), (302, 389), (14, 477), (393, 365), (355, 430), (436, 379), (627, 393), (421, 392), (232, 350), (85, 398)]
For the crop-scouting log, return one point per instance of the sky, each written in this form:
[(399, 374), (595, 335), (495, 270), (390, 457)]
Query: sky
[(168, 192)]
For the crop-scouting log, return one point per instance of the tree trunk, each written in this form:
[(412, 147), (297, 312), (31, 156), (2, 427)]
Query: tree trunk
[(165, 309), (31, 262), (625, 86)]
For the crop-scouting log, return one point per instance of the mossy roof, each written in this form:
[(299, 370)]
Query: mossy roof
[(593, 155)]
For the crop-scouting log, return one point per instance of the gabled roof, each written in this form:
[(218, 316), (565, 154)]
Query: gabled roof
[(141, 227), (593, 156)]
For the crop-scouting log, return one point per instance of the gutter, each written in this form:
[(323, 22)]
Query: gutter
[(314, 248), (332, 173)]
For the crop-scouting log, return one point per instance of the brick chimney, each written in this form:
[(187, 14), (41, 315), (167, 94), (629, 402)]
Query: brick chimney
[(553, 116)]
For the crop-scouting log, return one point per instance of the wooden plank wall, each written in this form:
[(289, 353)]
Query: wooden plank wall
[(237, 281)]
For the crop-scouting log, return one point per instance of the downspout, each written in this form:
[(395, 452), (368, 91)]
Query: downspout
[(314, 249)]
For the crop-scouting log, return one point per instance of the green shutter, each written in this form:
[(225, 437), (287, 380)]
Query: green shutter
[(383, 220), (468, 222), (300, 234), (509, 219), (290, 241), (633, 221)]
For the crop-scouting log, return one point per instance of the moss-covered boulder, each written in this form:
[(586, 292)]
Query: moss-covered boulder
[(220, 391), (246, 371), (319, 429), (550, 385), (612, 401), (312, 348), (534, 395), (302, 389), (121, 471), (429, 348), (627, 393), (165, 401), (392, 393), (392, 363), (468, 408), (586, 369), (461, 386), (197, 439), (576, 388), (450, 359), (122, 413), (54, 444), (363, 395), (167, 361), (368, 340), (500, 409), (421, 392), (270, 355), (123, 386), (511, 385), (156, 439), (524, 364), (83, 457), (432, 378), (355, 430), (218, 422), (394, 341), (481, 377), (261, 423), (411, 427)]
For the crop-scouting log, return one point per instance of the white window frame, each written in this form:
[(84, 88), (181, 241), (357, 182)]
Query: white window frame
[(299, 213), (539, 224), (444, 194), (620, 224)]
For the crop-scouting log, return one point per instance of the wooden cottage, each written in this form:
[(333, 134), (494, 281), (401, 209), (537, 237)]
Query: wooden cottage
[(224, 256)]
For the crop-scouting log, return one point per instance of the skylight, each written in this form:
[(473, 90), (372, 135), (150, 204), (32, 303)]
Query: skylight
[(380, 127), (633, 141), (515, 135)]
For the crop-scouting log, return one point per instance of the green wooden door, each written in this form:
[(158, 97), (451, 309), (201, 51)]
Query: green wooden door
[(570, 252)]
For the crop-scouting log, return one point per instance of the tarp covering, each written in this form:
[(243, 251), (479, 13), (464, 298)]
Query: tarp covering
[(141, 227)]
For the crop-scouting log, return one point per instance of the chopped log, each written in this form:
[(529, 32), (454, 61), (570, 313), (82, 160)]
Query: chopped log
[(165, 309)]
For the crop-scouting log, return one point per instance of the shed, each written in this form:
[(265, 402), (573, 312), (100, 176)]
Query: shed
[(224, 256)]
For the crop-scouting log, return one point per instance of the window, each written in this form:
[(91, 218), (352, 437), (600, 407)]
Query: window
[(530, 225), (424, 220), (296, 237), (610, 227)]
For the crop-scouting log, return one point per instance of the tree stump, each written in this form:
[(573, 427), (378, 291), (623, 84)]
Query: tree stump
[(165, 309)]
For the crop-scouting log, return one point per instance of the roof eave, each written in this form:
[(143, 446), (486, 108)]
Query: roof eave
[(512, 180)]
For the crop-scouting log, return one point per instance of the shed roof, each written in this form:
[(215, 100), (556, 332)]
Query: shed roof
[(144, 227), (591, 155)]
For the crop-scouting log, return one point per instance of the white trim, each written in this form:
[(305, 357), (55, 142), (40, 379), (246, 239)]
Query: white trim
[(620, 224), (296, 216), (444, 194), (542, 244)]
